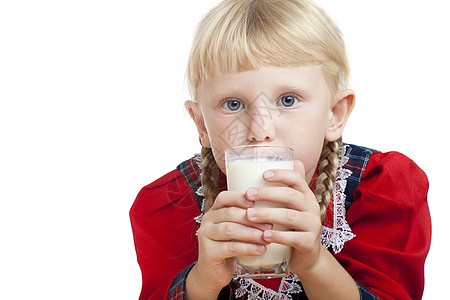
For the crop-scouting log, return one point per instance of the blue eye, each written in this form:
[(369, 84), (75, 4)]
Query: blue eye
[(288, 101), (233, 105)]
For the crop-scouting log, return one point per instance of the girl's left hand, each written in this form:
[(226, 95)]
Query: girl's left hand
[(302, 214)]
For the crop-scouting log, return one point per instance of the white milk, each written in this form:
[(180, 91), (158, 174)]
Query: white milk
[(242, 175)]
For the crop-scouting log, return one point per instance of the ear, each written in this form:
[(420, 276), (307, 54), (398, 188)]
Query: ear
[(341, 108), (194, 111)]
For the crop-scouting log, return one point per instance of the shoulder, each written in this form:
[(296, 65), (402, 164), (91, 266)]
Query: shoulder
[(395, 176), (395, 168), (392, 165), (172, 188), (394, 160)]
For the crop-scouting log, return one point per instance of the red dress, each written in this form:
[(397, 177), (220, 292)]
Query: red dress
[(388, 216)]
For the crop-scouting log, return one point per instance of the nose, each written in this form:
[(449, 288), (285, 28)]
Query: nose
[(261, 125)]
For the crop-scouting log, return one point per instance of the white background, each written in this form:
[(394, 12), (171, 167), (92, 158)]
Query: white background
[(91, 110)]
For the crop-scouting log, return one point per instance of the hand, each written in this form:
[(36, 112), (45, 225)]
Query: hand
[(225, 232), (302, 214)]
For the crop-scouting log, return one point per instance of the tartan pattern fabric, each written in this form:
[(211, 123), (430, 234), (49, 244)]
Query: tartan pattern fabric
[(177, 290), (364, 294), (358, 159), (190, 169)]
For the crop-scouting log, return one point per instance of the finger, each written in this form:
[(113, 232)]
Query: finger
[(233, 215), (295, 239), (228, 231), (285, 196), (290, 218), (234, 248), (292, 178), (231, 198)]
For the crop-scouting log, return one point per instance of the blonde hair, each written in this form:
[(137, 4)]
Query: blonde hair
[(239, 35)]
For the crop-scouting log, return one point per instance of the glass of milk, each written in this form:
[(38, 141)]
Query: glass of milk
[(245, 166)]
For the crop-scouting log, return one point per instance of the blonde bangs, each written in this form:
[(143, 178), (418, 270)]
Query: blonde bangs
[(240, 35)]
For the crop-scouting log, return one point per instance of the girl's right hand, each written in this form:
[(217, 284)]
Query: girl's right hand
[(224, 233)]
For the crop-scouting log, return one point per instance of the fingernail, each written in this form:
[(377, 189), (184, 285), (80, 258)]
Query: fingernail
[(267, 235), (260, 248), (268, 175), (248, 202), (251, 192), (267, 226), (251, 212)]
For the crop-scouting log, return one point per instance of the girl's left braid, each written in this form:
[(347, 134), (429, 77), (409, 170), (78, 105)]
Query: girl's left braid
[(328, 165), (209, 177)]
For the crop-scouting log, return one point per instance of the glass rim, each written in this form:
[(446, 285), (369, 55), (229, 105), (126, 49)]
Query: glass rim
[(259, 146)]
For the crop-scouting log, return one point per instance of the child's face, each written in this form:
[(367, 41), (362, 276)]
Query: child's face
[(291, 107)]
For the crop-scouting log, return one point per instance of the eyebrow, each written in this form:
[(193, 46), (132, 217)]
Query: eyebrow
[(301, 90), (228, 93)]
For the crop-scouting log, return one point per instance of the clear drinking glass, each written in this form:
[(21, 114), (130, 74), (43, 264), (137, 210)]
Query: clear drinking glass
[(245, 167)]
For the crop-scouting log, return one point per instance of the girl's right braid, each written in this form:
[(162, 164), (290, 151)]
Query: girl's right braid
[(209, 177), (328, 165)]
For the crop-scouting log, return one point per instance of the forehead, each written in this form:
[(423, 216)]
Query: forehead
[(308, 79)]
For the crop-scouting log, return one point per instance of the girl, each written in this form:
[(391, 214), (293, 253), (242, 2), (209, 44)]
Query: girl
[(274, 72)]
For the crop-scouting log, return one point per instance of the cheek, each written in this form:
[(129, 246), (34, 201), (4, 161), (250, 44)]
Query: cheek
[(309, 155), (306, 137), (225, 133)]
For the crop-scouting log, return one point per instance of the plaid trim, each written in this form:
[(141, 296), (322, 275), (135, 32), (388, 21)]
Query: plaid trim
[(364, 294), (357, 162), (227, 293), (233, 286), (177, 290), (190, 169)]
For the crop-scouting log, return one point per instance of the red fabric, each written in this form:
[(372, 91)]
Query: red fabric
[(162, 218), (389, 216), (391, 220)]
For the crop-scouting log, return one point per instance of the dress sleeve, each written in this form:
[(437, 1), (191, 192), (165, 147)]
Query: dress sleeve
[(162, 219), (391, 221)]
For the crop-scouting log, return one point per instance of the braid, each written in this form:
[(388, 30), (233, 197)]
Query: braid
[(328, 164), (209, 176)]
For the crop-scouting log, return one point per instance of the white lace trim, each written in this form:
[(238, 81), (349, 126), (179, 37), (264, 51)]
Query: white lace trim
[(334, 237), (341, 232), (199, 192), (255, 291)]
